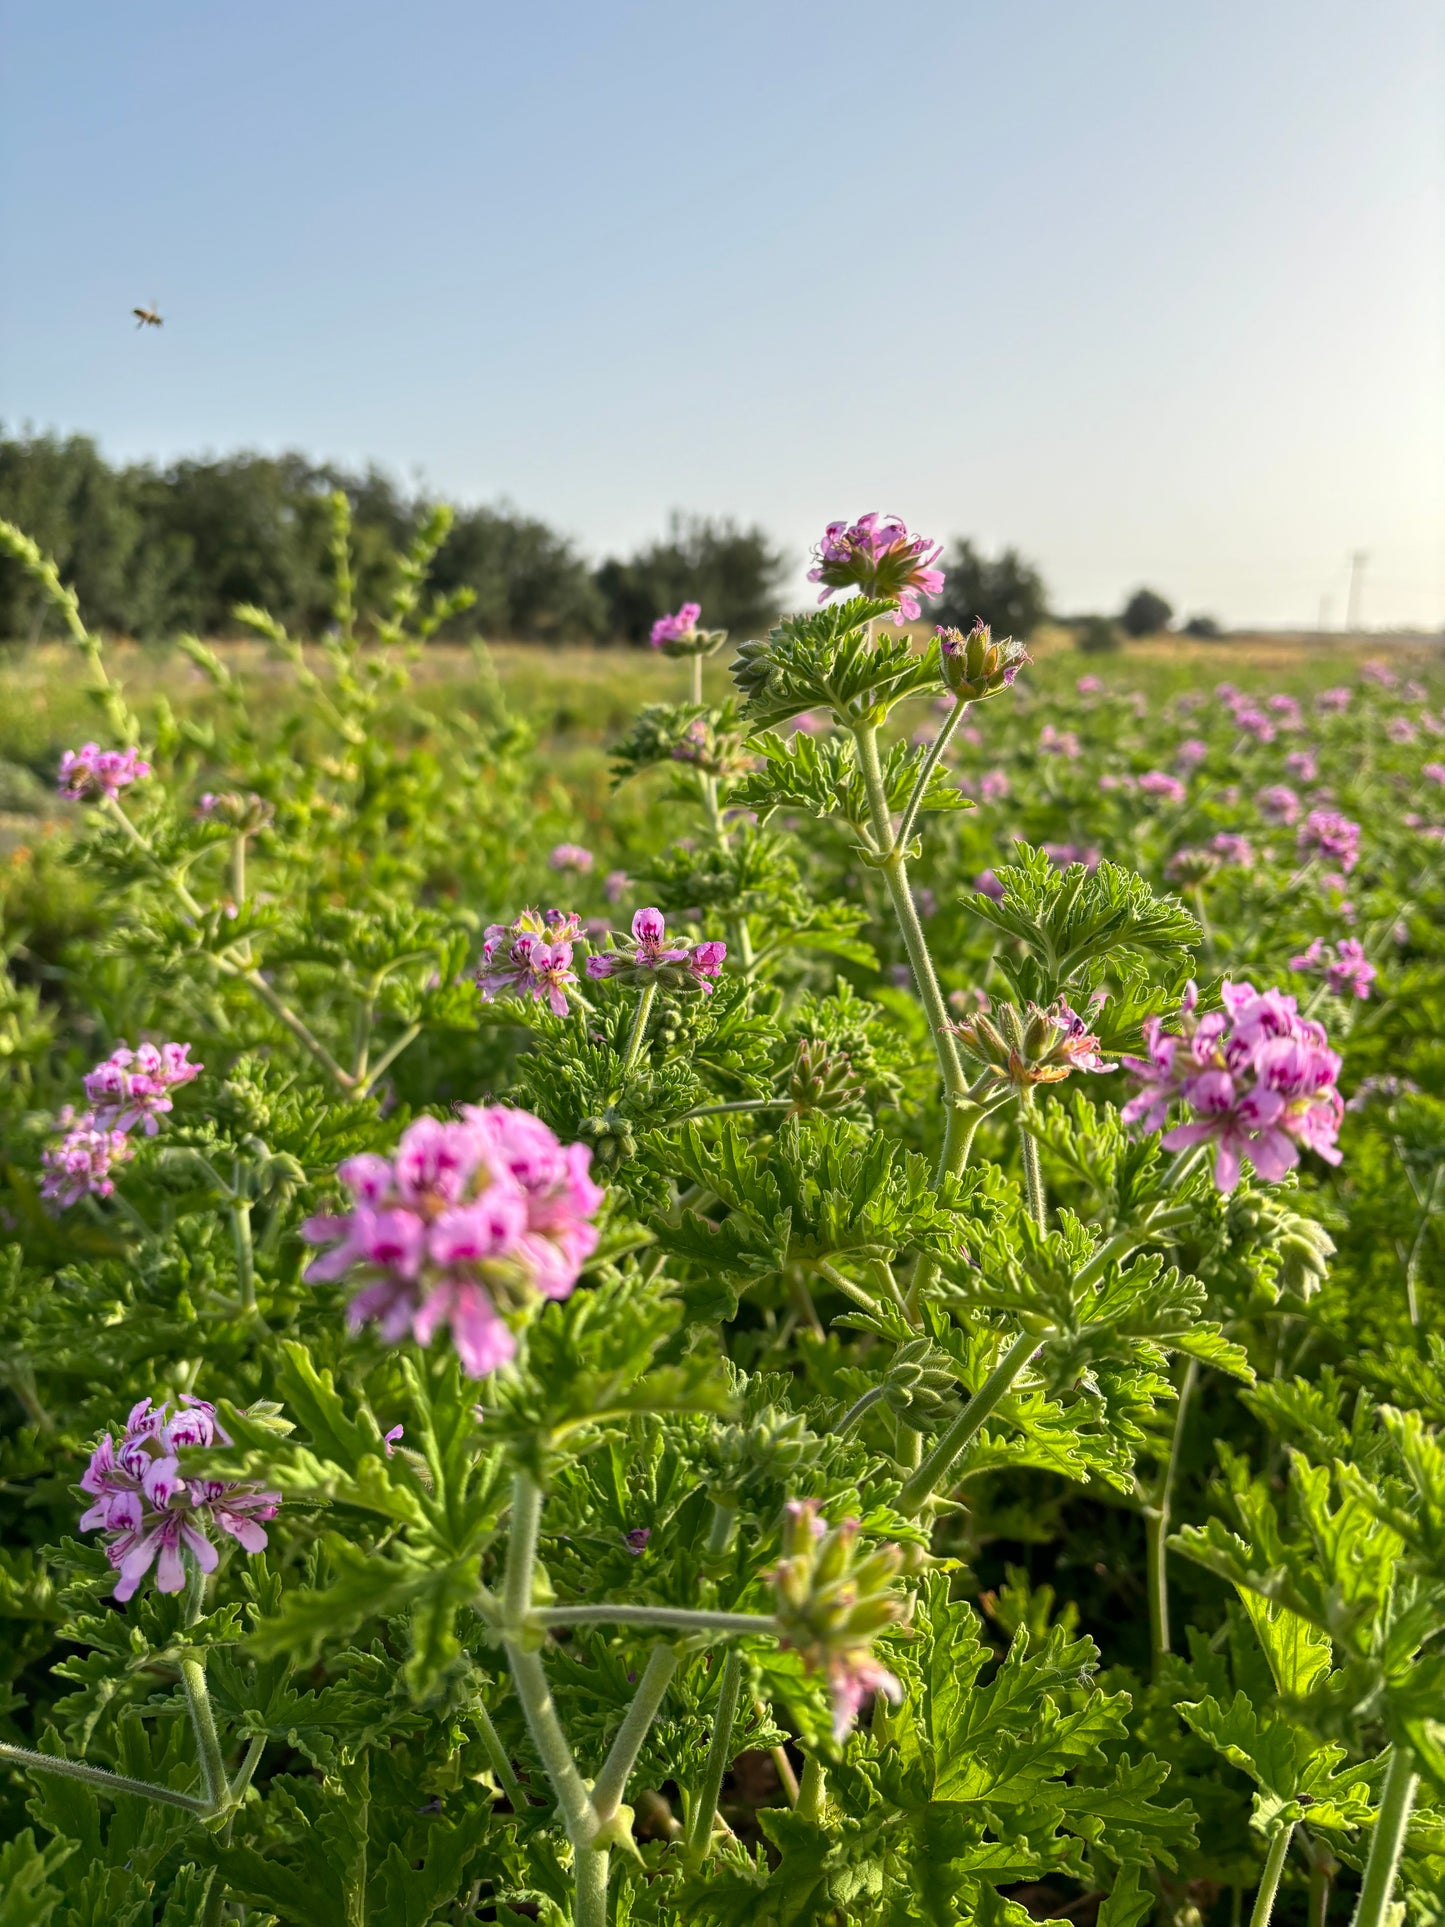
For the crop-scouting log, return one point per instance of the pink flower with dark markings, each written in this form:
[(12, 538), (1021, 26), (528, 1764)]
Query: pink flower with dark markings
[(155, 1516), (650, 958), (530, 958), (91, 772), (877, 555), (134, 1086), (468, 1225)]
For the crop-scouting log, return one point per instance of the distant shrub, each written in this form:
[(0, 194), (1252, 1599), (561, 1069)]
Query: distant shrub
[(1203, 626), (734, 573), (1005, 591), (1096, 636), (1145, 613)]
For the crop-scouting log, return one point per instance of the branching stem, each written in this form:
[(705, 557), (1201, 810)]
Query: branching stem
[(719, 1756)]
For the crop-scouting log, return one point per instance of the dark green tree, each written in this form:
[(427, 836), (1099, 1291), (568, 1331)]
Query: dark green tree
[(1146, 613), (734, 573), (1004, 591)]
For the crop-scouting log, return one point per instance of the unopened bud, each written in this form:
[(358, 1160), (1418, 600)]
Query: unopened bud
[(974, 665)]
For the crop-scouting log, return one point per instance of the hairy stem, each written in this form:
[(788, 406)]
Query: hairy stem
[(859, 1406), (935, 1467), (208, 1741), (1269, 1879), (371, 1078), (719, 1758), (245, 1254), (574, 1803), (814, 1790), (590, 1872), (611, 1782), (1029, 1151), (639, 1028), (1397, 1796), (682, 1619), (497, 1754), (521, 1549), (930, 763), (98, 1776), (1156, 1524)]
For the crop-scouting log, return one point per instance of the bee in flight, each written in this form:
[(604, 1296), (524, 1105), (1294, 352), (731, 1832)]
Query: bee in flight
[(147, 317)]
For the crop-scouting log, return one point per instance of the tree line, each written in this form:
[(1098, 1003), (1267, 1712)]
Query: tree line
[(159, 550)]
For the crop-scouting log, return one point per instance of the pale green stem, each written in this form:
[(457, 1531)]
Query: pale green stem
[(1269, 1879), (719, 1758), (1156, 1525), (611, 1782), (97, 1776), (530, 1680), (497, 1754), (720, 1532), (238, 871), (198, 1700), (839, 1283), (250, 1761), (1397, 1796), (1029, 1151), (249, 975), (590, 1905), (859, 1406), (930, 761), (521, 1549), (387, 1058), (695, 664), (639, 1028), (934, 1469), (682, 1619), (245, 1254), (895, 876)]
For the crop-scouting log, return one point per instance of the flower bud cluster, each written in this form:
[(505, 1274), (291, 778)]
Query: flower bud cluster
[(470, 1220), (974, 665), (649, 959), (1302, 1247), (247, 813), (530, 958), (821, 1079), (90, 772), (1031, 1046), (877, 555), (920, 1385), (832, 1604), (1260, 1079), (153, 1515)]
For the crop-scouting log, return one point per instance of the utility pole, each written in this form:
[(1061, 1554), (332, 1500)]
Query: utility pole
[(1357, 584)]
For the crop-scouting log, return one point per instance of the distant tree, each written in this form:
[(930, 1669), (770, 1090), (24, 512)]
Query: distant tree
[(1096, 636), (1203, 626), (81, 512), (734, 573), (1145, 613), (1005, 591), (530, 582)]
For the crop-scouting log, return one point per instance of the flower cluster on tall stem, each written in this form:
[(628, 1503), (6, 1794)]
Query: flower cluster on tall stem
[(1344, 966), (681, 627), (877, 555), (1328, 833), (1260, 1079), (130, 1088), (1032, 1046), (82, 1160), (154, 1516), (470, 1222), (650, 959)]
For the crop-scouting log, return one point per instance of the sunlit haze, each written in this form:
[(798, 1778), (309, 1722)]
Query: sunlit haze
[(1154, 293)]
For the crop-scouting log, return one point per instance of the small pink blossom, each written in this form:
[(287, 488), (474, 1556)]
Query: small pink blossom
[(1278, 804), (571, 856), (1061, 855), (134, 1086), (1344, 966), (615, 885), (1302, 766), (993, 785), (1232, 848), (81, 1162), (1156, 782), (1332, 701), (1400, 729), (1059, 742), (530, 958), (1287, 709), (1328, 833), (1090, 685), (987, 884), (91, 772), (650, 958), (1190, 753), (1255, 723), (1433, 772), (1378, 672), (679, 628)]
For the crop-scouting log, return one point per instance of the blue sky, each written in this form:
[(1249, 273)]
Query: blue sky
[(1155, 292)]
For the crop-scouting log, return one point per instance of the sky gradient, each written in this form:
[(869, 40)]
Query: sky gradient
[(1155, 293)]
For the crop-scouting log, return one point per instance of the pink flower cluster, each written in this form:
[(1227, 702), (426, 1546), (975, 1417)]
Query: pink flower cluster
[(1327, 833), (91, 771), (571, 856), (877, 555), (81, 1162), (1330, 702), (1060, 742), (531, 958), (1260, 1079), (1158, 782), (132, 1087), (1277, 804), (1232, 848), (650, 958), (1191, 753), (1344, 966), (678, 628), (154, 1516), (470, 1219)]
